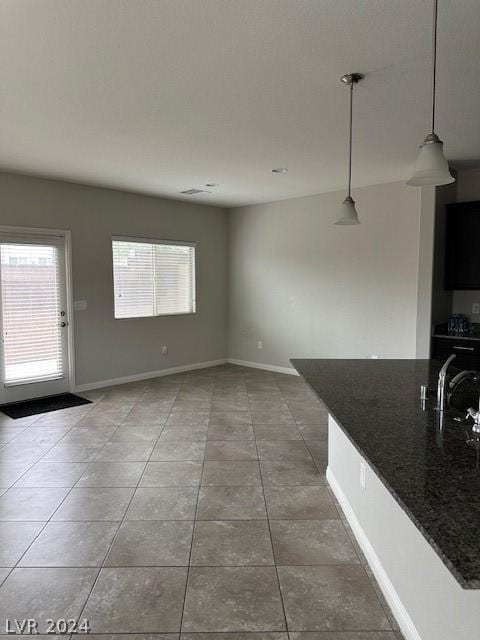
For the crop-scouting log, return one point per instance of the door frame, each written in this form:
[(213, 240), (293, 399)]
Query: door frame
[(66, 234)]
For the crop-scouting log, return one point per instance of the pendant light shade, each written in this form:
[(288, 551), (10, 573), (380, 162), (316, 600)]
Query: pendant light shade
[(431, 166), (347, 213)]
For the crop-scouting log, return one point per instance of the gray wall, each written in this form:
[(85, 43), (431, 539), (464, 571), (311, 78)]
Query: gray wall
[(468, 188), (306, 287), (108, 348), (425, 271)]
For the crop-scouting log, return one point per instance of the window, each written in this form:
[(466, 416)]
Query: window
[(153, 278)]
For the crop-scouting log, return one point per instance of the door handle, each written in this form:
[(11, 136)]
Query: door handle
[(464, 348)]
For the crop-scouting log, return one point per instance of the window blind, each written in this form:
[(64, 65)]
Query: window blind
[(32, 344), (153, 278)]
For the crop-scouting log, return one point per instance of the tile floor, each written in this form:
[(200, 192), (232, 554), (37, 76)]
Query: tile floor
[(194, 504)]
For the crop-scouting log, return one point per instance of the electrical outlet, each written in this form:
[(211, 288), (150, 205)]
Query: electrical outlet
[(363, 475), (164, 350), (259, 344), (373, 356), (476, 308)]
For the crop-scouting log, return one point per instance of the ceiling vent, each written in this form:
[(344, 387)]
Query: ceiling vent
[(194, 192)]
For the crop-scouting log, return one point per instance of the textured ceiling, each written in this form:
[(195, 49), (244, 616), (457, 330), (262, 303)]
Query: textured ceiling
[(158, 96)]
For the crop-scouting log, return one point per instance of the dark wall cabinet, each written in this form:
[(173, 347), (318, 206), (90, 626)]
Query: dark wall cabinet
[(467, 351), (462, 250)]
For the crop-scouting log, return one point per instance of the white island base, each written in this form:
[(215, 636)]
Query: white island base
[(426, 599)]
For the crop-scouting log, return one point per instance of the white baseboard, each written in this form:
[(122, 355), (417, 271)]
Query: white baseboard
[(150, 374), (187, 367), (266, 367), (404, 621)]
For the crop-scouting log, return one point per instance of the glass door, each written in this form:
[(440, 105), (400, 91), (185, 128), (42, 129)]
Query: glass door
[(34, 323)]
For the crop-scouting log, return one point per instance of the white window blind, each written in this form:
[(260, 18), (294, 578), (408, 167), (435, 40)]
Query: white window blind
[(30, 299), (153, 278)]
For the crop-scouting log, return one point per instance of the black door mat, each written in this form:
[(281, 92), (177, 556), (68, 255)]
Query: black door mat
[(42, 405)]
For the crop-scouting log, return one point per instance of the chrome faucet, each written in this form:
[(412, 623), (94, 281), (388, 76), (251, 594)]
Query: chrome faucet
[(460, 377), (442, 384), (475, 414), (446, 388)]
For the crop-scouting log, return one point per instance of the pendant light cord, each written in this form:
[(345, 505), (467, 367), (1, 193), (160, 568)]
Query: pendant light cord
[(434, 61), (350, 142)]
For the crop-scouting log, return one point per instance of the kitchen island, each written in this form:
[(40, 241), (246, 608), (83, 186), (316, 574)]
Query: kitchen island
[(409, 483)]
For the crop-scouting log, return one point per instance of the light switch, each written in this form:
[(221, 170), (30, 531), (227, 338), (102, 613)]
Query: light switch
[(476, 308), (80, 305)]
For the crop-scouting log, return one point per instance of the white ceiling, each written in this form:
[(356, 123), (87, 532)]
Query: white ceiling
[(157, 96)]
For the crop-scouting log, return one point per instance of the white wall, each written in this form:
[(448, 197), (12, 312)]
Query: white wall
[(468, 188), (107, 348), (308, 288)]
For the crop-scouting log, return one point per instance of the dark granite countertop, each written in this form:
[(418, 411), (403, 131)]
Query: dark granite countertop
[(428, 468)]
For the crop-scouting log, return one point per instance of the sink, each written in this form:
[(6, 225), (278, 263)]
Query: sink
[(466, 397)]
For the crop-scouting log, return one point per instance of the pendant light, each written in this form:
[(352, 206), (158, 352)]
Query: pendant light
[(431, 166), (348, 213)]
